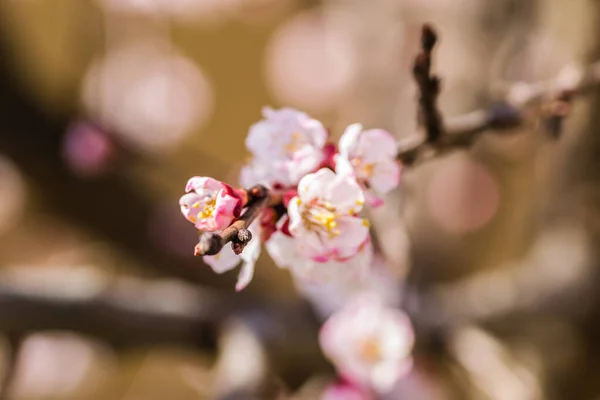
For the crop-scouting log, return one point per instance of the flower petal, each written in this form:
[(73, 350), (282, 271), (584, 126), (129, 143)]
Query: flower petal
[(224, 261), (314, 186), (377, 144), (385, 177), (349, 140), (345, 195)]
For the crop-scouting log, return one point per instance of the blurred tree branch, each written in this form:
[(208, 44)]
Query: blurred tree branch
[(522, 103)]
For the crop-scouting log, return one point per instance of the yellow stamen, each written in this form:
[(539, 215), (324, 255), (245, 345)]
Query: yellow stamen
[(370, 350), (209, 208), (366, 223)]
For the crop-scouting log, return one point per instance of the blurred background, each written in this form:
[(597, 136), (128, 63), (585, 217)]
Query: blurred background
[(107, 107)]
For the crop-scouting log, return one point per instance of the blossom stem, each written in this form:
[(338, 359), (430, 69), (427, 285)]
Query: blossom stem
[(504, 115), (237, 233)]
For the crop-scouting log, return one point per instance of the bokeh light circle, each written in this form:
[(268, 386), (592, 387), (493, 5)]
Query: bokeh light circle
[(150, 98), (309, 65), (463, 196)]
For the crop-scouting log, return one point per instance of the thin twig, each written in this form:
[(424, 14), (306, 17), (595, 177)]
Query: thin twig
[(510, 112), (429, 86), (237, 233)]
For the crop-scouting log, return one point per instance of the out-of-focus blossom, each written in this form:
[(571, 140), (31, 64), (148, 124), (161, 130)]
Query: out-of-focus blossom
[(345, 391), (286, 253), (87, 149), (370, 156), (310, 61), (209, 204), (148, 95), (286, 145), (323, 217), (329, 296), (463, 196), (226, 259), (369, 343)]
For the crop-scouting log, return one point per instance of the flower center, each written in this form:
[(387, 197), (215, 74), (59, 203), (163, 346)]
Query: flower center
[(207, 208), (295, 143), (363, 169), (321, 217), (370, 350)]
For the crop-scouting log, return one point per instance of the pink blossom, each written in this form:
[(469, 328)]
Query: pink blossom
[(370, 156), (369, 343), (345, 391), (323, 217), (286, 145), (209, 204), (226, 259), (286, 253)]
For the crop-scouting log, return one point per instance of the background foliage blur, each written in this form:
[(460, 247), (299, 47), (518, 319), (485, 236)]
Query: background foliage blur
[(109, 106)]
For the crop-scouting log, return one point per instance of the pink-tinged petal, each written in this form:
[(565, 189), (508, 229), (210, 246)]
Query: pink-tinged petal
[(283, 250), (345, 391), (353, 233), (224, 261), (314, 186), (186, 204), (294, 210), (345, 195), (383, 377), (344, 167), (385, 177), (349, 140), (376, 144), (245, 276), (372, 200), (226, 207), (199, 183)]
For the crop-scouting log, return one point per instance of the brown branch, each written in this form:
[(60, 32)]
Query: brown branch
[(237, 233), (429, 86), (519, 101)]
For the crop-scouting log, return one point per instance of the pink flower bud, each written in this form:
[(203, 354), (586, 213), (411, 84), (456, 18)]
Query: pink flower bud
[(209, 204)]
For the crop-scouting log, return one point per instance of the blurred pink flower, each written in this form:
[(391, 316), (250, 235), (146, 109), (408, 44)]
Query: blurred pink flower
[(226, 259), (87, 149), (369, 343), (345, 391), (286, 145), (209, 204), (285, 252), (370, 156), (323, 216)]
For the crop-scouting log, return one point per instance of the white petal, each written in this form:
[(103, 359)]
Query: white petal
[(376, 145), (354, 232), (245, 276), (386, 176), (345, 194), (349, 140), (283, 250), (314, 186), (224, 261), (343, 166)]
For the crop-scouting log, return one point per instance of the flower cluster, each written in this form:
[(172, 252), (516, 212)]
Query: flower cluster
[(315, 229)]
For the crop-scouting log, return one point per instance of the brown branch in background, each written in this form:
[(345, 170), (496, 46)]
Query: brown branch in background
[(520, 104), (237, 233), (429, 86)]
